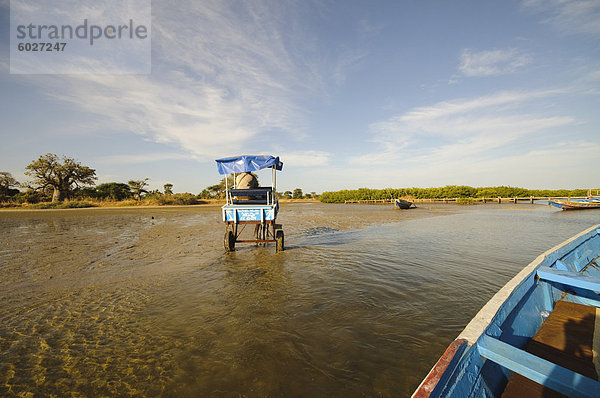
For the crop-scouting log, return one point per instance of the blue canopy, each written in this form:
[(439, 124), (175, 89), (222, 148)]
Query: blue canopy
[(247, 163)]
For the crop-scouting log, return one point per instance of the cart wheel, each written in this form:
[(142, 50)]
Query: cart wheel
[(229, 241), (279, 238)]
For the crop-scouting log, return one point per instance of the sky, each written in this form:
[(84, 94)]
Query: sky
[(347, 93)]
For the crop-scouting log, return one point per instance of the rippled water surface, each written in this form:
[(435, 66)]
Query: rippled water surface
[(145, 302)]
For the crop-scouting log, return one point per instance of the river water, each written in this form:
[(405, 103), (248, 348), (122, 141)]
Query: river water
[(144, 302)]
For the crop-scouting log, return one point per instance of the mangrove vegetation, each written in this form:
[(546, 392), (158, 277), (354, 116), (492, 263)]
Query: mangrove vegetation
[(449, 191)]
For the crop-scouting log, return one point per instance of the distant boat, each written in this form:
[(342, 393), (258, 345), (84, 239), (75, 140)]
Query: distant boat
[(592, 203), (403, 204), (537, 334)]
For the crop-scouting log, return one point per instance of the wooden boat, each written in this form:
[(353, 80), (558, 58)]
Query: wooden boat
[(403, 204), (538, 336), (592, 203)]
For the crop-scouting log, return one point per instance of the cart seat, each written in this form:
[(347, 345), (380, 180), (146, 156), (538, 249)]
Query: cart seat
[(256, 196)]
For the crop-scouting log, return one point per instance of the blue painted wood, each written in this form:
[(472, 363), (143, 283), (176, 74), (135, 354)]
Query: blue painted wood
[(443, 381), (583, 259), (561, 266), (520, 317), (257, 213), (556, 377), (575, 245), (569, 278), (583, 300), (462, 376), (548, 298)]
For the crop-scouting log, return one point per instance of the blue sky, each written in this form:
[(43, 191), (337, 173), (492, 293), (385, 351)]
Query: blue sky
[(348, 93)]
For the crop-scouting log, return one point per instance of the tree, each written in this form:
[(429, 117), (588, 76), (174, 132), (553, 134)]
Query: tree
[(297, 194), (168, 189), (205, 194), (287, 194), (218, 190), (49, 173), (7, 181), (113, 190), (137, 186)]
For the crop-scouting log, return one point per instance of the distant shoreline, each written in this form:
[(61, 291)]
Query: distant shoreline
[(116, 205)]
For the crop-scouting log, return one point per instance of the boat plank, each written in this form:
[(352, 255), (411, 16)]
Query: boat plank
[(569, 279), (583, 300), (537, 369), (566, 339)]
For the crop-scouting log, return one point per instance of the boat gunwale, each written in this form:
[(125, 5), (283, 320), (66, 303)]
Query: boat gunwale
[(487, 314), (477, 326)]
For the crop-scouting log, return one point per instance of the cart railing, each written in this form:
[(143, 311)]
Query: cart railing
[(255, 196)]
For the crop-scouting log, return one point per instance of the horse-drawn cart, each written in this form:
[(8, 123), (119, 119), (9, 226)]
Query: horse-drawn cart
[(249, 204)]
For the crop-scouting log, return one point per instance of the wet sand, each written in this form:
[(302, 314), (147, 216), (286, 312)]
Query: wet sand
[(48, 244), (93, 298)]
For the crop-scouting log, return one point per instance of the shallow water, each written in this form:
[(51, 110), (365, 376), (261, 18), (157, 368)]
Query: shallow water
[(145, 302)]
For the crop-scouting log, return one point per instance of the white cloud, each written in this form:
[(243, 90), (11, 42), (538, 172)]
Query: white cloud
[(492, 62), (176, 109), (353, 56), (348, 60), (594, 75), (142, 158), (459, 129), (463, 106), (226, 78), (223, 74), (531, 168), (462, 117), (570, 16)]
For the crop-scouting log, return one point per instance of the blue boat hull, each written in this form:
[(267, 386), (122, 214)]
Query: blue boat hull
[(593, 203), (492, 348)]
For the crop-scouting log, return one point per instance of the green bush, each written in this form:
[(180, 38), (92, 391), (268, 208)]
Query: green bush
[(113, 190), (177, 199), (450, 191), (31, 196)]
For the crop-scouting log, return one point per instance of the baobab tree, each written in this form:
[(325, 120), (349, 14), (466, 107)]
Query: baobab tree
[(49, 173)]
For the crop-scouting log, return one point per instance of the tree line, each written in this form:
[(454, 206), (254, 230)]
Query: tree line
[(56, 179), (217, 191), (449, 191)]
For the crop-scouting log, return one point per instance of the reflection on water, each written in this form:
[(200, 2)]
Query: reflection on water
[(145, 302)]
